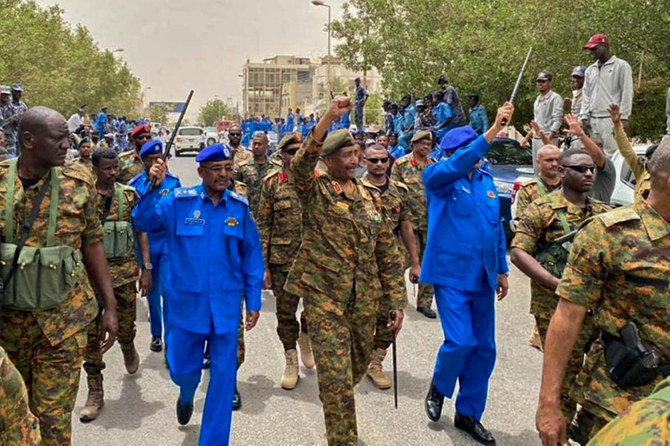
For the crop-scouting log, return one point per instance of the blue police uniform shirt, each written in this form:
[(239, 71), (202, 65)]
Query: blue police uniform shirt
[(345, 121), (290, 122), (397, 151), (142, 183), (466, 245), (478, 119), (442, 112), (410, 116), (398, 123), (214, 256)]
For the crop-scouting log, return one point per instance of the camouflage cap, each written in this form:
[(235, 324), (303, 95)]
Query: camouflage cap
[(289, 139), (423, 134), (336, 140)]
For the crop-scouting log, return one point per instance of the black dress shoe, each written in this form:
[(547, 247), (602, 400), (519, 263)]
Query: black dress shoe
[(184, 412), (426, 311), (474, 428), (433, 403), (156, 344), (237, 400)]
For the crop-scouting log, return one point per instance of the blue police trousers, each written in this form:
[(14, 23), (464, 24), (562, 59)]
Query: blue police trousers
[(185, 357), (468, 352), (157, 314)]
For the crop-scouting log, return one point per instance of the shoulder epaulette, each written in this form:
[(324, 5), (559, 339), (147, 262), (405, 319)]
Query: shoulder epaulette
[(488, 174), (246, 162), (365, 188), (400, 185), (529, 182), (78, 172), (126, 154), (125, 187), (185, 192), (623, 214), (239, 198), (365, 182), (403, 159), (270, 175), (275, 161), (135, 178), (171, 175)]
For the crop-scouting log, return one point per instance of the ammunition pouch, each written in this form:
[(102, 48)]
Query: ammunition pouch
[(553, 257), (43, 277), (627, 366), (117, 239)]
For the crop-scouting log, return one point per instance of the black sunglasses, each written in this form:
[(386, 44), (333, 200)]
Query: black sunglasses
[(581, 169), (234, 134), (377, 160)]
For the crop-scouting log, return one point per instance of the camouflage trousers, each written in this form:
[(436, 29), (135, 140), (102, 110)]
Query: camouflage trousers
[(288, 327), (341, 332), (425, 296), (568, 404), (51, 374), (18, 426), (126, 308)]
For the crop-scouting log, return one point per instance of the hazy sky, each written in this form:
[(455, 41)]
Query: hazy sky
[(175, 45)]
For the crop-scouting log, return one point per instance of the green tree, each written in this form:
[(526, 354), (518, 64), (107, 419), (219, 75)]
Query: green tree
[(213, 111), (158, 113), (373, 110)]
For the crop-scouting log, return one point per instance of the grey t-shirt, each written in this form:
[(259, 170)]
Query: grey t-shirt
[(603, 185)]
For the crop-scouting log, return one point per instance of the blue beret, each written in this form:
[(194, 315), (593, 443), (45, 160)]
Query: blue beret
[(152, 147), (215, 152), (459, 137)]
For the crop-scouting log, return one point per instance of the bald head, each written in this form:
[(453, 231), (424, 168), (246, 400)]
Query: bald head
[(547, 161), (659, 167), (44, 137), (547, 149), (37, 119)]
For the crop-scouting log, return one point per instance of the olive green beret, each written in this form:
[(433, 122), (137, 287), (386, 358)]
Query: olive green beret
[(336, 140), (290, 138), (418, 136)]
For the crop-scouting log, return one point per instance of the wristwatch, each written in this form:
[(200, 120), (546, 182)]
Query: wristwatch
[(148, 266)]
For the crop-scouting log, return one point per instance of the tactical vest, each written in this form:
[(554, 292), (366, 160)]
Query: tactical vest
[(554, 256), (117, 237), (44, 276)]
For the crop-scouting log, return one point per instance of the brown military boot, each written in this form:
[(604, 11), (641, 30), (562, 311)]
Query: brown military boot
[(94, 401), (290, 377), (131, 359), (375, 372), (534, 339), (306, 350)]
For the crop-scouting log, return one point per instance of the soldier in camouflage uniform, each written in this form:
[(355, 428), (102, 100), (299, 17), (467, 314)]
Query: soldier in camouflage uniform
[(85, 148), (47, 345), (252, 171), (346, 267), (240, 153), (618, 266), (395, 208), (124, 272), (280, 227), (130, 163), (646, 422), (408, 170), (535, 252), (18, 426)]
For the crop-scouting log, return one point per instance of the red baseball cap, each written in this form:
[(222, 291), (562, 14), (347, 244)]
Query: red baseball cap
[(145, 128), (595, 40)]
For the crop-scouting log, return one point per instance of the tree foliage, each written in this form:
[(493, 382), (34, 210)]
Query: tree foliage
[(480, 46), (213, 111), (61, 66), (158, 113)]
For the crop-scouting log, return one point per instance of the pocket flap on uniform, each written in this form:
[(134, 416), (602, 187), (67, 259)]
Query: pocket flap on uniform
[(282, 204), (280, 241)]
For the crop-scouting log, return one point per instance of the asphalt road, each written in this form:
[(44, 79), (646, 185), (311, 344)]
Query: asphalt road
[(139, 409)]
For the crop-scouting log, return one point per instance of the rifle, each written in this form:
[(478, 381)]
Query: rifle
[(518, 80), (168, 146)]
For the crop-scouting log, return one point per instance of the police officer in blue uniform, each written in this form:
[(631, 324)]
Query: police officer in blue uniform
[(465, 261), (150, 152), (215, 260)]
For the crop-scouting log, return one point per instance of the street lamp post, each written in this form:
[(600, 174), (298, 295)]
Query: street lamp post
[(320, 3)]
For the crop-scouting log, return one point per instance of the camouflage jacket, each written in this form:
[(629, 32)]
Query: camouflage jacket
[(395, 203), (646, 422), (530, 192), (347, 250), (279, 220), (130, 165), (127, 270), (539, 226), (637, 165), (619, 266), (18, 426), (78, 225), (408, 171), (239, 188), (252, 175), (241, 155)]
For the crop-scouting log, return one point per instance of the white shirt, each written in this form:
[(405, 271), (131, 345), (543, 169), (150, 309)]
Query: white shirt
[(74, 122), (548, 111), (612, 83)]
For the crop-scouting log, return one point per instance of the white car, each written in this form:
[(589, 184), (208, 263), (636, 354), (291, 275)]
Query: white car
[(209, 137), (188, 140)]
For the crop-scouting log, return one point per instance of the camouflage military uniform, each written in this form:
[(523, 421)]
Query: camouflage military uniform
[(47, 346), (280, 226), (637, 165), (124, 274), (18, 426), (241, 155), (646, 422), (408, 171), (346, 266), (252, 175), (85, 162), (619, 266), (130, 165), (530, 191), (538, 227), (395, 209)]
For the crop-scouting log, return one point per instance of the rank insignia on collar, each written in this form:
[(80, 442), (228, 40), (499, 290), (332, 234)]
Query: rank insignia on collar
[(491, 194), (232, 222), (337, 188)]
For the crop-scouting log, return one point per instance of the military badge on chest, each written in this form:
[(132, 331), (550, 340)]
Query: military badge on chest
[(195, 220)]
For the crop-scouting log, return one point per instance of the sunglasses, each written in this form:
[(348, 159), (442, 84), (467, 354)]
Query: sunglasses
[(234, 134), (290, 151), (144, 136), (377, 160), (581, 169)]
